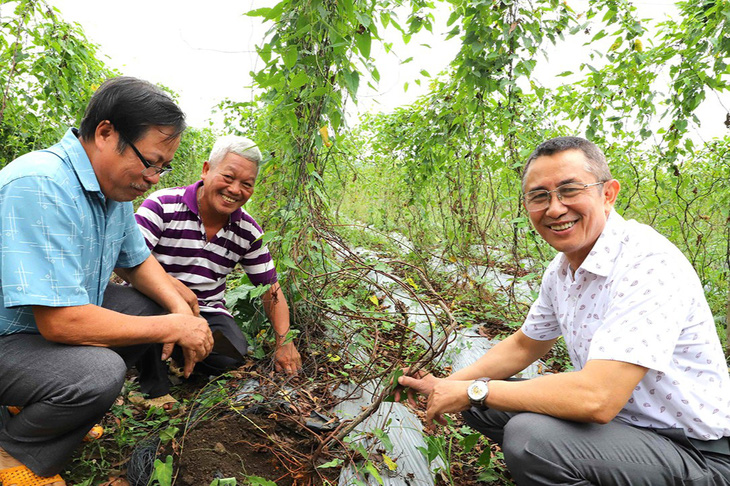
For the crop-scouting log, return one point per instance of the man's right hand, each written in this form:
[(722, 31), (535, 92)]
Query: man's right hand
[(418, 383), (444, 396), (195, 339), (187, 295)]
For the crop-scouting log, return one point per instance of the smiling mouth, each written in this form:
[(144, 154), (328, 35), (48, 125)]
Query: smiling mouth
[(562, 226), (229, 200)]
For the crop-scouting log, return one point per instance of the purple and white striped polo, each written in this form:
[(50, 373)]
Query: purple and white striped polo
[(175, 234)]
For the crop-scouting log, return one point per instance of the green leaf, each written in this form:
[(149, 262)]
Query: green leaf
[(259, 290), (363, 43), (260, 12), (394, 378), (259, 481), (455, 15), (352, 81), (374, 472), (168, 434), (485, 458), (290, 56), (333, 463), (162, 472), (299, 79), (268, 13), (599, 35), (470, 441), (287, 262)]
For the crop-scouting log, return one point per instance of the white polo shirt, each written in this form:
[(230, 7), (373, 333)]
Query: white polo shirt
[(637, 299)]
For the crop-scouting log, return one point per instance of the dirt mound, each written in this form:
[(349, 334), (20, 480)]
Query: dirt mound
[(237, 446)]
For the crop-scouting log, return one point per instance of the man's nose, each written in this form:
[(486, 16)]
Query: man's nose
[(555, 206), (153, 179)]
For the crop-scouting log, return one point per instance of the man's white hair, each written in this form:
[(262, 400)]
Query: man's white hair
[(238, 145)]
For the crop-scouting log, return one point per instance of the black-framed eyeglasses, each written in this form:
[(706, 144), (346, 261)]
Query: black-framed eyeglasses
[(149, 169), (567, 193)]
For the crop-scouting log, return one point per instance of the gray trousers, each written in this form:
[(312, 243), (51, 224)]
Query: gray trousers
[(541, 450), (65, 390)]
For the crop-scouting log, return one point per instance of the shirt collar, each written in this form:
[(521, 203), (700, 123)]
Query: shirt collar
[(601, 257), (79, 161), (190, 198)]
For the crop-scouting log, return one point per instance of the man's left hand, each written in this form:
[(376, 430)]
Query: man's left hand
[(287, 359)]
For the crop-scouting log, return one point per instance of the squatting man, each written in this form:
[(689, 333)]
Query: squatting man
[(66, 222), (649, 400), (200, 233)]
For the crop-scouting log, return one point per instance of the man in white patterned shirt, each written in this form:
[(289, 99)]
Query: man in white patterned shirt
[(649, 400)]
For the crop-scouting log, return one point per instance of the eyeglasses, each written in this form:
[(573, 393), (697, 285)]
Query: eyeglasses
[(567, 194), (149, 169)]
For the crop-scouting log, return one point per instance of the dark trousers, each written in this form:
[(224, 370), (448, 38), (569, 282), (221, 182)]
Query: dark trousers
[(65, 390), (146, 358), (542, 450), (152, 372)]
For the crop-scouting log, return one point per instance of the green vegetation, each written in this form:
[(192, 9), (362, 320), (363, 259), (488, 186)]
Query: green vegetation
[(428, 187)]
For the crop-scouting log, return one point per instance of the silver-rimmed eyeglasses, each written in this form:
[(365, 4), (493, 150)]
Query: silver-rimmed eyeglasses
[(149, 169), (567, 193)]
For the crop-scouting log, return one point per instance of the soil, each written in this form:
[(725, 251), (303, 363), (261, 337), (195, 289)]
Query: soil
[(237, 446)]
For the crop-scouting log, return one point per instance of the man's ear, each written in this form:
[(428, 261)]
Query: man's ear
[(206, 168), (104, 134), (610, 192)]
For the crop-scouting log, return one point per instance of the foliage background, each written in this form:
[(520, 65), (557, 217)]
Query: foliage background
[(443, 172)]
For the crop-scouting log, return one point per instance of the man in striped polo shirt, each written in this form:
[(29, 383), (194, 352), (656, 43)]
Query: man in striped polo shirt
[(200, 232)]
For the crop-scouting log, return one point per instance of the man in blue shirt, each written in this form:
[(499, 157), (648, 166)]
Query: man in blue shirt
[(66, 221)]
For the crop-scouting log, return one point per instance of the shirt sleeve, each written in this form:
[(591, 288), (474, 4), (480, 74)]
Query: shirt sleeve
[(541, 323), (641, 326), (257, 261), (150, 220), (42, 246)]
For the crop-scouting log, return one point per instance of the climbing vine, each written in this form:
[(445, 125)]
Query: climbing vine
[(48, 71)]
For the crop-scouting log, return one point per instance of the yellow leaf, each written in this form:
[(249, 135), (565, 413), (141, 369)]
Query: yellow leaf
[(374, 299), (325, 136), (413, 284), (333, 358), (390, 463)]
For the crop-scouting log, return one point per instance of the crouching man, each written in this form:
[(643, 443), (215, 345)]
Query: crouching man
[(65, 223), (649, 400)]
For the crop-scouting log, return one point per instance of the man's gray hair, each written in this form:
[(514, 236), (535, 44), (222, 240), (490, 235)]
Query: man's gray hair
[(595, 159), (241, 146)]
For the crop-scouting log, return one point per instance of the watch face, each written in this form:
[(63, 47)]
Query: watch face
[(477, 390)]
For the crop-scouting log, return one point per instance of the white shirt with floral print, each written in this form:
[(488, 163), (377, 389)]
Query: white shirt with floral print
[(637, 299)]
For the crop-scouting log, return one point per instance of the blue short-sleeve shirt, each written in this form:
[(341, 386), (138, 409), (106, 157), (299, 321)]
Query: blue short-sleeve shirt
[(60, 238)]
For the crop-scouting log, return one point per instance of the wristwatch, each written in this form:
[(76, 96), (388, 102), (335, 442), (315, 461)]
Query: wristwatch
[(477, 392)]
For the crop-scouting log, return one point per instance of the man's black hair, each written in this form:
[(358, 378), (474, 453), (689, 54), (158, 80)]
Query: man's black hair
[(131, 105), (595, 159)]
